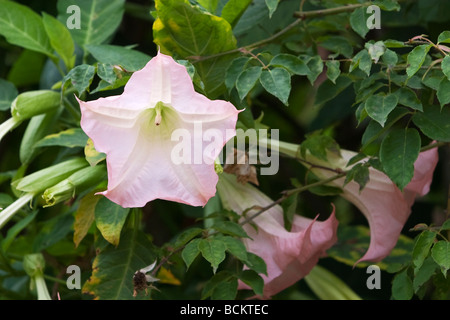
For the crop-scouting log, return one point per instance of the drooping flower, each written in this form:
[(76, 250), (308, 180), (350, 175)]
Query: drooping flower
[(289, 255), (140, 132), (383, 204)]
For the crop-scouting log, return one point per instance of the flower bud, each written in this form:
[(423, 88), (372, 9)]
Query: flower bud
[(39, 181), (34, 265), (31, 103), (77, 182)]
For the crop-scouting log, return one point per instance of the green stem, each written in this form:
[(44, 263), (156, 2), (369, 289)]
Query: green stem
[(326, 12), (434, 145)]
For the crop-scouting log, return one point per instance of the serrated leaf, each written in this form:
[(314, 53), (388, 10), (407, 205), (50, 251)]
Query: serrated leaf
[(363, 61), (423, 273), (408, 98), (379, 106), (234, 70), (60, 39), (186, 236), (333, 70), (235, 247), (443, 92), (110, 218), (277, 82), (114, 267), (231, 228), (422, 247), (247, 80), (399, 150), (390, 58), (226, 290), (256, 263), (291, 63), (23, 27), (190, 252), (80, 77), (8, 93), (434, 123), (416, 58), (358, 21), (131, 60), (84, 217), (402, 286), (69, 138), (253, 280), (213, 251), (272, 6), (441, 255), (99, 19)]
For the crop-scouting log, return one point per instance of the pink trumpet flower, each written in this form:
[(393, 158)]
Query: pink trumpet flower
[(139, 131), (289, 255), (383, 204)]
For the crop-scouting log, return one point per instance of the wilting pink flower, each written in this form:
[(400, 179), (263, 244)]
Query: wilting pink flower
[(289, 255), (136, 131), (383, 204)]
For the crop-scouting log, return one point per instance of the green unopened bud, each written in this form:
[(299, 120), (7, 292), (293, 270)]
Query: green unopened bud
[(329, 287), (34, 265), (43, 179), (31, 103), (77, 182)]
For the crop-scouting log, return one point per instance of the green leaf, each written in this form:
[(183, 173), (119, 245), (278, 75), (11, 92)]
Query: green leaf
[(446, 225), (315, 65), (408, 98), (80, 77), (84, 217), (186, 236), (210, 5), (186, 31), (376, 50), (213, 251), (444, 37), (23, 27), (231, 228), (215, 280), (60, 39), (110, 218), (443, 92), (423, 273), (360, 174), (441, 254), (28, 69), (131, 60), (235, 247), (8, 93), (92, 155), (363, 61), (15, 230), (247, 80), (337, 44), (256, 263), (226, 290), (319, 145), (289, 206), (234, 9), (416, 58), (277, 82), (253, 280), (379, 106), (434, 123), (399, 150), (69, 138), (390, 58), (333, 70), (291, 63), (422, 247), (234, 70), (99, 19), (445, 64), (106, 72), (272, 6), (329, 90), (358, 21), (190, 252), (402, 286), (114, 267)]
